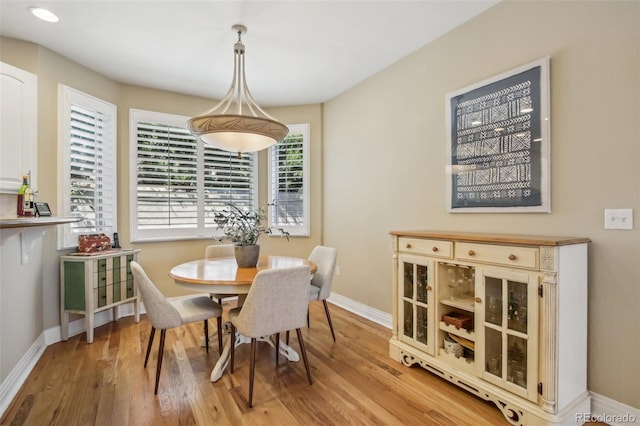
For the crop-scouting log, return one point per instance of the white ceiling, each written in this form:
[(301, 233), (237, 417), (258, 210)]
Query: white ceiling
[(297, 52)]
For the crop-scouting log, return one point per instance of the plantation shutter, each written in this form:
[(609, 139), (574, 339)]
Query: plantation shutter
[(92, 177), (179, 182), (289, 182), (167, 177), (227, 180)]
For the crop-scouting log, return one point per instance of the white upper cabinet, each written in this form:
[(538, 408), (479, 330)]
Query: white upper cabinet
[(18, 127)]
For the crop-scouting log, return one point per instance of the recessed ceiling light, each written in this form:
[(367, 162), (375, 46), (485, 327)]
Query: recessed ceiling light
[(44, 14)]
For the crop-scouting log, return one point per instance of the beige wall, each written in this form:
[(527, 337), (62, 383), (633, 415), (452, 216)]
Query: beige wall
[(384, 157), (158, 257), (390, 132), (36, 294), (39, 301)]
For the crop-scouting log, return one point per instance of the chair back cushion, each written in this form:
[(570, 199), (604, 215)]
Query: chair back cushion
[(277, 301), (219, 250), (160, 312), (325, 260)]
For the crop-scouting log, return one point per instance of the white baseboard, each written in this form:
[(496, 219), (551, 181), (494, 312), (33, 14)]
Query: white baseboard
[(602, 408), (362, 310), (612, 412), (11, 385), (101, 318)]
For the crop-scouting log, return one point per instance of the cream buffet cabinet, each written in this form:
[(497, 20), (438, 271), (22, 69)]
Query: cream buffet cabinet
[(501, 316), (93, 283)]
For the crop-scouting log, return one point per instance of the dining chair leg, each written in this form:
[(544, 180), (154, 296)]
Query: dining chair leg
[(233, 348), (286, 339), (251, 372), (151, 336), (326, 311), (304, 355), (277, 349), (163, 332), (206, 335), (308, 326), (219, 321)]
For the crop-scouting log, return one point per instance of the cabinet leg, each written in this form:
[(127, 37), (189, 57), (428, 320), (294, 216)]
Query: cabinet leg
[(89, 322), (64, 325)]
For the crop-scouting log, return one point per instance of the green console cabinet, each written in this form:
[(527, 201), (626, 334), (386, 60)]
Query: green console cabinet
[(94, 283)]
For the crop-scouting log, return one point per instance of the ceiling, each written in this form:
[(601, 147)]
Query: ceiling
[(297, 52)]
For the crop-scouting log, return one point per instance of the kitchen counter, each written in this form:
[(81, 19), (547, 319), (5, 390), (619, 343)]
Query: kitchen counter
[(30, 221)]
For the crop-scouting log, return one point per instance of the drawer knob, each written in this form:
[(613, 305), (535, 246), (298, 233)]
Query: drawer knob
[(434, 249), (512, 257), (408, 245), (478, 300), (429, 288), (472, 253)]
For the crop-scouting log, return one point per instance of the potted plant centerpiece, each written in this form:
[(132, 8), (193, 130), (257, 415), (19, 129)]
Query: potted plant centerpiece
[(243, 227)]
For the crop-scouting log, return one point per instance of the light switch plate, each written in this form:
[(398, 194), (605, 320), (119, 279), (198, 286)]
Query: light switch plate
[(618, 219)]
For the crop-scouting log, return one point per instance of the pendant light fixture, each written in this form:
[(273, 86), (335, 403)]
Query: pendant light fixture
[(237, 123)]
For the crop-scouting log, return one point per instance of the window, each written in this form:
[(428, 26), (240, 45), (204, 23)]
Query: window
[(87, 153), (177, 182), (289, 177)]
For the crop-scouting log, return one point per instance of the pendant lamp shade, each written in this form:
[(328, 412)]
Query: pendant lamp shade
[(237, 123)]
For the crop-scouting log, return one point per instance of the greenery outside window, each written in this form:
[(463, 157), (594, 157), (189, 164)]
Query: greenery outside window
[(177, 183), (87, 151), (289, 182)]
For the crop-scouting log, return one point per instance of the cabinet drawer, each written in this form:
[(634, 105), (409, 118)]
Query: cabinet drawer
[(100, 296), (517, 257), (103, 278), (435, 248)]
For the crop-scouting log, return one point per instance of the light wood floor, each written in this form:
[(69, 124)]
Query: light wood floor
[(355, 382)]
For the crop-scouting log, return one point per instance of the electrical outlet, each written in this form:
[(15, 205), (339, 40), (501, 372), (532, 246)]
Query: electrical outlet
[(337, 271), (618, 219)]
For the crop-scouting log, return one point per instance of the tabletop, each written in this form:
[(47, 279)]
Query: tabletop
[(223, 275)]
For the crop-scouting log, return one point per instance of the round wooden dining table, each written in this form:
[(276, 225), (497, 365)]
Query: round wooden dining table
[(223, 276)]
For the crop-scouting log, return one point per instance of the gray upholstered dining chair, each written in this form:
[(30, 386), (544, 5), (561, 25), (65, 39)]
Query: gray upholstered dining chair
[(325, 259), (165, 314), (277, 301), (219, 250)]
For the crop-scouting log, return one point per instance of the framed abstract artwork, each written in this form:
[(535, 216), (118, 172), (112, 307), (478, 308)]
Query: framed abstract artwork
[(498, 143)]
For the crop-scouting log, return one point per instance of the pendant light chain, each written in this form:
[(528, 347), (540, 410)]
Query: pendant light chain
[(230, 177)]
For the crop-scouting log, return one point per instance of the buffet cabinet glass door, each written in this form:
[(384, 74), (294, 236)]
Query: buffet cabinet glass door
[(416, 302), (509, 328)]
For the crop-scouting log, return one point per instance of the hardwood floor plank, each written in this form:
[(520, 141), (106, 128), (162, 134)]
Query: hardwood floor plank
[(43, 374), (348, 403), (190, 392), (349, 362), (354, 382)]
